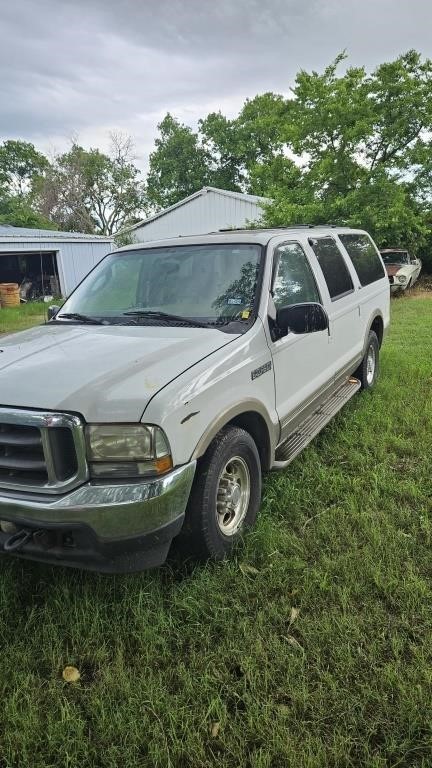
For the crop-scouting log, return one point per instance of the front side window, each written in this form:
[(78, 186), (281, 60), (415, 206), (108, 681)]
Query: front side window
[(211, 284), (363, 255), (333, 266), (294, 282)]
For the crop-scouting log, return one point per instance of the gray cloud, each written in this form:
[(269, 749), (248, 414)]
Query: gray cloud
[(90, 66)]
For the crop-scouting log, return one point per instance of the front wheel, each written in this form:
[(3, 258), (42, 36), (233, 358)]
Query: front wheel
[(225, 497), (367, 372)]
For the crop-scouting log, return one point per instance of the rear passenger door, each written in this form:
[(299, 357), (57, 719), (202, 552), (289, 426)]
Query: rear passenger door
[(373, 289), (346, 333)]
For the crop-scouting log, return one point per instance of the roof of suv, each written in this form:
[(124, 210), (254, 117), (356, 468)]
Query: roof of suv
[(259, 236)]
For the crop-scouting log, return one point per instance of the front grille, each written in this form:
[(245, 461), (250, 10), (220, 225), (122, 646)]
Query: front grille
[(22, 456), (41, 451)]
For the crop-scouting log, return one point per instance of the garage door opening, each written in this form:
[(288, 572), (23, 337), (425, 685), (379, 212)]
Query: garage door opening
[(36, 273)]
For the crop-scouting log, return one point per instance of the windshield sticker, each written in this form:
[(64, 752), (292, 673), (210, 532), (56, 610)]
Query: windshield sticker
[(245, 314), (236, 300)]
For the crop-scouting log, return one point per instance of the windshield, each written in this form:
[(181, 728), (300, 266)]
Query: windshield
[(395, 257), (212, 284)]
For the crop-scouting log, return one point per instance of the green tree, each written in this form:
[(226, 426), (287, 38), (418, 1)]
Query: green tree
[(178, 166), (421, 188), (90, 191), (19, 213), (21, 169), (230, 154), (347, 147), (247, 153), (279, 173), (355, 136), (355, 122), (223, 152), (21, 165)]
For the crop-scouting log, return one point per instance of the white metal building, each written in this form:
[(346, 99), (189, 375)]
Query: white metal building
[(58, 258), (207, 210)]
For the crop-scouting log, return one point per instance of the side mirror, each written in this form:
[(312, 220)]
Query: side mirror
[(302, 318), (52, 311)]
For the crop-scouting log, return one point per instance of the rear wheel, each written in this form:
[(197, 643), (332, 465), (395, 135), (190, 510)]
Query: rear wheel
[(225, 497), (367, 372)]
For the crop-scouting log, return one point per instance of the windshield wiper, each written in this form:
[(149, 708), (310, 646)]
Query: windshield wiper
[(165, 316), (81, 318), (229, 320)]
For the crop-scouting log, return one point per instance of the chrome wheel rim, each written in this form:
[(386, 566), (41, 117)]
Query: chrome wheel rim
[(232, 496), (370, 364)]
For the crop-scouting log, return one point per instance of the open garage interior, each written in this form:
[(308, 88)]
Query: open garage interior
[(36, 273), (47, 262)]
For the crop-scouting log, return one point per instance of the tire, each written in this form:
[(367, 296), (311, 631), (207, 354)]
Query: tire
[(214, 524), (367, 376)]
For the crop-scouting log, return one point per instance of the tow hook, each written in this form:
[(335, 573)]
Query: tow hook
[(17, 541)]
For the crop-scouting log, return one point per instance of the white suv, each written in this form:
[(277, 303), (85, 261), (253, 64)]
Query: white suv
[(174, 375)]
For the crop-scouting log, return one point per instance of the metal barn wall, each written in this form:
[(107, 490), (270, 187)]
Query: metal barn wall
[(74, 259), (206, 213)]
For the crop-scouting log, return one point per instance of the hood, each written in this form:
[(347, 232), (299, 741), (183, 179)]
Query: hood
[(393, 269), (104, 373)]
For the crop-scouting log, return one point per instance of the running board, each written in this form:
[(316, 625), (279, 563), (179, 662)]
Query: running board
[(314, 423)]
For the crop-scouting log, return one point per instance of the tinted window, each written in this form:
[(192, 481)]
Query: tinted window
[(333, 265), (363, 255), (294, 282)]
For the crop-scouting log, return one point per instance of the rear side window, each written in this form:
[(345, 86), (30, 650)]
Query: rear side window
[(363, 255), (333, 265)]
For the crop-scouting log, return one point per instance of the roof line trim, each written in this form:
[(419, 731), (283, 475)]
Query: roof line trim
[(33, 239)]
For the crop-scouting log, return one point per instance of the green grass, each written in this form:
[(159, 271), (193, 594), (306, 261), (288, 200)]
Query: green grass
[(311, 648), (24, 316)]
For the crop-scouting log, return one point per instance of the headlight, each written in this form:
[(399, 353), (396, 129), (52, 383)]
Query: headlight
[(401, 278), (127, 450)]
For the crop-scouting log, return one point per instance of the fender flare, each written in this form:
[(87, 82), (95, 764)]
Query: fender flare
[(243, 408), (375, 314)]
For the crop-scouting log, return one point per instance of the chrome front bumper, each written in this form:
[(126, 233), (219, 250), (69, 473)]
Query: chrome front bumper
[(112, 511)]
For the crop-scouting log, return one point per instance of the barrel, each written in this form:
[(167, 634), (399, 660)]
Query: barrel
[(9, 294)]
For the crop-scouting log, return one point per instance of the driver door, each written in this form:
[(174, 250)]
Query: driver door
[(302, 362)]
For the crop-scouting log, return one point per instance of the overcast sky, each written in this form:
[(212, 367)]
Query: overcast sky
[(87, 67)]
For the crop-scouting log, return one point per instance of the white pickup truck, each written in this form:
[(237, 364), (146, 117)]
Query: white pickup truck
[(174, 375)]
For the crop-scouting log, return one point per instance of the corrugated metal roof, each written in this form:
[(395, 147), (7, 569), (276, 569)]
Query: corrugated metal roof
[(223, 192), (8, 232), (237, 195)]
